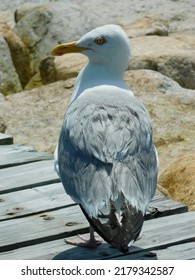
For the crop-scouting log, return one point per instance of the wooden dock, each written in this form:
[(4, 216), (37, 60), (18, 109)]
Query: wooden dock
[(36, 215)]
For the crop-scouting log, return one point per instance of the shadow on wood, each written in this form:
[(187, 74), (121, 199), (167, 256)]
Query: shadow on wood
[(104, 251)]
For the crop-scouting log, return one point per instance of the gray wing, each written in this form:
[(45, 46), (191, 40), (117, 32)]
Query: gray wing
[(106, 154)]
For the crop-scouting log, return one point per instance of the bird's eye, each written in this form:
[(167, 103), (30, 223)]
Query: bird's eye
[(100, 40)]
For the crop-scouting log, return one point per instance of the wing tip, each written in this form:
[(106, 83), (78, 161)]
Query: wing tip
[(119, 234)]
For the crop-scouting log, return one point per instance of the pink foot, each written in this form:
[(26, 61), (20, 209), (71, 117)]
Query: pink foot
[(82, 242), (92, 242)]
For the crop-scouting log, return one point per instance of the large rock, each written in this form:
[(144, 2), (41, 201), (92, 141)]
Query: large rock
[(42, 26), (172, 57), (7, 16), (171, 108), (150, 82), (19, 53), (179, 179), (53, 69), (34, 117), (146, 26), (9, 80)]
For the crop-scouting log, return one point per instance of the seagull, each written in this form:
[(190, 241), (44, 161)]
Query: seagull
[(105, 156)]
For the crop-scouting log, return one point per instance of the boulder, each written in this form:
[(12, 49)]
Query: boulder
[(179, 179), (150, 81), (38, 114), (53, 69), (43, 26), (170, 56), (9, 79), (23, 9), (146, 26), (8, 17), (171, 108), (19, 53), (34, 82)]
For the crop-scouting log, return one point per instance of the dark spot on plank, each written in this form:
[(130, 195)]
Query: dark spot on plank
[(69, 224), (18, 208), (150, 254), (11, 213), (48, 218)]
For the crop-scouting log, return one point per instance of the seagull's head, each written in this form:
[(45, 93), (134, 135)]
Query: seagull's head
[(108, 45)]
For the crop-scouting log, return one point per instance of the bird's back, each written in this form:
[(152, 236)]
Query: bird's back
[(107, 161)]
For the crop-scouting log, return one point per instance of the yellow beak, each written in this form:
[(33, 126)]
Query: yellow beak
[(67, 48)]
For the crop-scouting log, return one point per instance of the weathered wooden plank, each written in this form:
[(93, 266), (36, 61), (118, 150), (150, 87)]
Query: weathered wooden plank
[(33, 201), (12, 149), (184, 251), (161, 206), (166, 233), (27, 176), (11, 155), (52, 196), (6, 139), (45, 226)]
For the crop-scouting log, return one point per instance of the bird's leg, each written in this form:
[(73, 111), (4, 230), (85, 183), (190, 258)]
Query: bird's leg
[(92, 242)]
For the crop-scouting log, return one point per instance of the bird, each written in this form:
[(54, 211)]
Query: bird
[(105, 157)]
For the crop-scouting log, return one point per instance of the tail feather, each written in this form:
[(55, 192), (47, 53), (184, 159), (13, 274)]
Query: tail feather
[(118, 233)]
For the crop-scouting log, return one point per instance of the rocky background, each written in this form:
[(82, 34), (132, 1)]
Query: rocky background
[(35, 87)]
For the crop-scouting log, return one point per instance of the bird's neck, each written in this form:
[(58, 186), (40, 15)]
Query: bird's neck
[(93, 75)]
